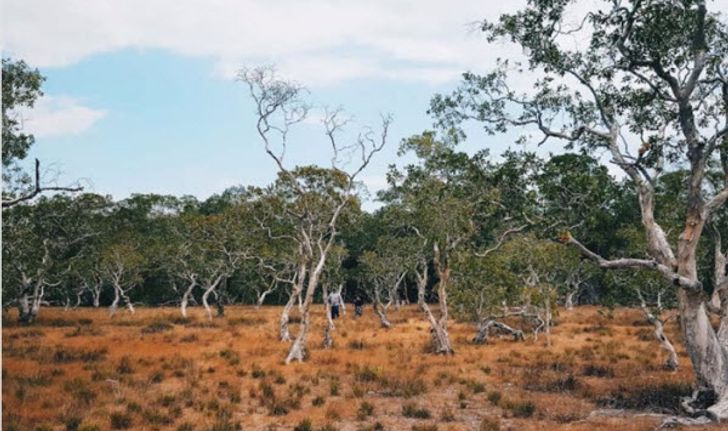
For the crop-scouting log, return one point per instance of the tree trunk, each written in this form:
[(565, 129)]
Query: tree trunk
[(96, 294), (569, 302), (208, 290), (440, 338), (671, 362), (186, 298), (283, 333), (297, 351), (484, 326), (26, 301), (328, 341), (708, 355), (115, 303), (129, 304), (379, 309), (342, 306), (78, 299)]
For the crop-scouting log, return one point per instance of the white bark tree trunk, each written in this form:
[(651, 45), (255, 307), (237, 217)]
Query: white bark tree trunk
[(115, 303), (297, 352), (186, 297), (440, 337), (380, 309), (328, 340), (210, 288), (671, 362), (485, 325), (283, 332)]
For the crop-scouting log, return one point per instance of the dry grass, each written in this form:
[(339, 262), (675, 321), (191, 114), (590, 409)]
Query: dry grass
[(81, 370)]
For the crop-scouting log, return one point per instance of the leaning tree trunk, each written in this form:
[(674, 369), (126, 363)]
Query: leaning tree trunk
[(129, 304), (671, 362), (208, 290), (379, 309), (440, 338), (115, 303), (283, 332), (485, 325), (186, 298), (297, 351)]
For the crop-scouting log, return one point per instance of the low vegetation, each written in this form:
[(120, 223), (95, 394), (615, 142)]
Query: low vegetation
[(234, 378)]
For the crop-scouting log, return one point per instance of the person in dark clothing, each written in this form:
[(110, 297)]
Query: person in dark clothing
[(358, 303)]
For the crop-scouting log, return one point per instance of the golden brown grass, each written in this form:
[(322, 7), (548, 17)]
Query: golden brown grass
[(83, 370)]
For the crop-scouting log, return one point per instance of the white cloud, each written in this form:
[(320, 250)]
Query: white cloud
[(58, 116), (318, 42)]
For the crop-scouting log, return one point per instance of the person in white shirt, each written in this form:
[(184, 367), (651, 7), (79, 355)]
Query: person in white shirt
[(335, 302)]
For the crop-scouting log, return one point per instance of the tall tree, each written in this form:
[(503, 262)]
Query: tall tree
[(316, 197), (649, 86)]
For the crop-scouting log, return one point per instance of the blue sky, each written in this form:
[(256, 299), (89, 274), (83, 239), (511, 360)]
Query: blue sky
[(141, 95)]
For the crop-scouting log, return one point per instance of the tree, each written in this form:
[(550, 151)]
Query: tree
[(651, 88), (121, 265), (21, 89), (314, 197), (39, 245), (449, 201)]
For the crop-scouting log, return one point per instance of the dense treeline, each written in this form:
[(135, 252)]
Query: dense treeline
[(83, 250)]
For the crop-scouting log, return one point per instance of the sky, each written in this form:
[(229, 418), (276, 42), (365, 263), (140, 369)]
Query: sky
[(141, 95)]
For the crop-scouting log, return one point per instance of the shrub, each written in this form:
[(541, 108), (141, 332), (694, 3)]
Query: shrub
[(124, 366), (662, 398), (304, 425), (410, 410), (365, 410), (120, 421), (489, 424), (318, 401), (357, 345), (156, 377), (597, 371), (79, 390), (257, 372), (476, 387), (520, 409), (494, 397), (157, 326), (230, 356), (447, 416), (367, 374), (72, 423)]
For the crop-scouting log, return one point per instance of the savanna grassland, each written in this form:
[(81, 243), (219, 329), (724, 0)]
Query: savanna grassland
[(155, 371)]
